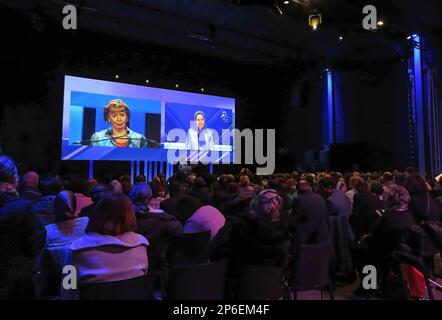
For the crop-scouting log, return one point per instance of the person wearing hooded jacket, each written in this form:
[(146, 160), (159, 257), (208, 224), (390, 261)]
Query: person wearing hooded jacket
[(22, 237)]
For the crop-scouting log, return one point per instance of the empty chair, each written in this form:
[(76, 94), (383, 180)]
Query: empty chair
[(311, 268), (261, 283), (139, 288), (196, 282), (189, 249)]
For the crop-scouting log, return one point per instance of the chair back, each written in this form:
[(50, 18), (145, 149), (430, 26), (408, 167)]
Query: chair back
[(311, 267), (197, 282), (261, 283), (139, 288), (189, 249)]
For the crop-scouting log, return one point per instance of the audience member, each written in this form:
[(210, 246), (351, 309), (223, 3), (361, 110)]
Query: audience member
[(110, 250), (22, 237), (28, 187)]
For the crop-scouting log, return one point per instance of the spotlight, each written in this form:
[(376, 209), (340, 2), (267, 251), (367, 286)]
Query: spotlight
[(409, 38), (177, 85), (380, 23), (117, 76), (314, 21), (147, 81), (286, 2), (202, 89), (341, 38)]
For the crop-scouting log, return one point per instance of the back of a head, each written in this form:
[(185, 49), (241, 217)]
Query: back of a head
[(30, 179), (273, 184), (140, 193), (155, 187), (186, 207), (376, 188), (387, 176), (114, 215), (115, 186), (51, 186), (401, 178), (65, 205), (140, 178), (98, 191), (126, 183), (268, 205), (176, 189), (415, 183), (222, 182), (8, 170), (303, 186), (233, 188), (327, 183), (87, 186), (358, 183), (199, 183)]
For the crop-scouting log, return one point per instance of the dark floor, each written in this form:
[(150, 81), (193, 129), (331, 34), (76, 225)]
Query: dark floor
[(345, 292)]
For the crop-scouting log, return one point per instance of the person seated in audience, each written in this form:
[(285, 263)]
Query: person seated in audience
[(190, 180), (28, 186), (200, 191), (377, 245), (292, 192), (115, 186), (311, 179), (356, 183), (154, 224), (80, 188), (340, 185), (161, 179), (176, 190), (155, 198), (126, 183), (197, 217), (341, 205), (365, 205), (377, 189), (226, 190), (22, 237), (254, 237), (422, 205), (67, 226), (309, 217), (110, 250), (221, 190), (257, 184), (245, 190), (50, 187), (96, 192), (140, 178)]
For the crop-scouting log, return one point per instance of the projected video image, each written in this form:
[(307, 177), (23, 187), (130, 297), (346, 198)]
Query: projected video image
[(112, 121), (105, 120), (203, 126)]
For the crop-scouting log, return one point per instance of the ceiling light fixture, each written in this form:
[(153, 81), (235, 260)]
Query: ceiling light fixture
[(315, 20)]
